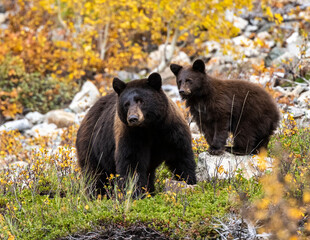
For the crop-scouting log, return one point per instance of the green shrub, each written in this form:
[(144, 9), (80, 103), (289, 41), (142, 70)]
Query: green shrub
[(35, 91)]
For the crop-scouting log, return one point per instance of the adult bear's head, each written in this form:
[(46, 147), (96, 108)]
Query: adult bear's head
[(190, 80), (141, 102)]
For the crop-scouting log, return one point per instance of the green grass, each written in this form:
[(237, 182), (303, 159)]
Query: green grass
[(55, 207), (47, 200)]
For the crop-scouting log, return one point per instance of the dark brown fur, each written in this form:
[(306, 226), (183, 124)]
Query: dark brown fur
[(109, 143), (222, 106)]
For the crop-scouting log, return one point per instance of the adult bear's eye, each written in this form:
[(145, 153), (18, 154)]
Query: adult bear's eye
[(188, 80), (139, 101), (126, 104)]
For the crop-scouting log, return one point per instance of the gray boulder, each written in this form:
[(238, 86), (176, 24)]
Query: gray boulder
[(42, 130), (21, 125), (60, 118), (226, 165), (304, 99), (84, 99), (35, 117), (124, 75)]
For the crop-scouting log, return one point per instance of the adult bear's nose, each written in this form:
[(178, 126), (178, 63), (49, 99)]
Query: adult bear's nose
[(181, 91), (133, 119)]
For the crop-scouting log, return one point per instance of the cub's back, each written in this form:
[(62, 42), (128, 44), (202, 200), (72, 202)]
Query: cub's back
[(249, 92)]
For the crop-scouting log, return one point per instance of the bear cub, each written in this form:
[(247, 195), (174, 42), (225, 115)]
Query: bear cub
[(221, 106), (134, 130)]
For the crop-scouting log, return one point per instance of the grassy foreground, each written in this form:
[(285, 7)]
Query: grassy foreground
[(46, 198)]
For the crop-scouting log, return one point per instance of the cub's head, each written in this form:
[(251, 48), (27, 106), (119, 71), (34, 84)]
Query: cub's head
[(141, 102), (189, 79)]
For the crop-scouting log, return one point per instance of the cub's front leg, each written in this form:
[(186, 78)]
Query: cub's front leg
[(220, 134)]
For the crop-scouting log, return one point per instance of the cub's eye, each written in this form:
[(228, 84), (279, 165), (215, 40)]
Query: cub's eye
[(180, 82), (126, 105), (188, 80)]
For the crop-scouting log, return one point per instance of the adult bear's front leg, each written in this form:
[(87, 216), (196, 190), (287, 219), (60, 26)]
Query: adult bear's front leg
[(179, 157), (132, 158)]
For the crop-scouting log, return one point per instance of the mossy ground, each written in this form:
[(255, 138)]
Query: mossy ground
[(47, 200)]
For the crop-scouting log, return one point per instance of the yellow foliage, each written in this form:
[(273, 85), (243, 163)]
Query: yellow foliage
[(262, 160), (306, 197)]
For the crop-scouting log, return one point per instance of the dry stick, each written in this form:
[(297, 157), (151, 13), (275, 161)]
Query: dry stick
[(200, 117), (246, 96), (256, 146), (104, 41), (61, 21), (231, 114)]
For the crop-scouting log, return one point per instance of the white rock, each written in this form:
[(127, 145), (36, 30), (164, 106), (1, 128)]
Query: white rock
[(229, 15), (251, 28), (35, 117), (240, 22), (251, 52), (3, 17), (264, 36), (270, 43), (84, 99), (194, 128), (307, 54), (21, 125), (296, 112), (262, 80), (42, 130), (305, 122), (155, 57), (60, 118), (79, 117), (279, 74), (171, 90), (181, 57), (286, 56), (196, 135), (210, 166), (299, 89), (124, 75), (304, 99), (294, 43), (243, 41), (212, 46), (293, 38)]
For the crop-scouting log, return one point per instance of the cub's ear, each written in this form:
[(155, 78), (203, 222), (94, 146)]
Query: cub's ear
[(118, 85), (199, 65), (154, 80), (175, 68)]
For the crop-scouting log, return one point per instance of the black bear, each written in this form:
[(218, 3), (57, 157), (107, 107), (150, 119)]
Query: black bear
[(134, 130), (222, 106)]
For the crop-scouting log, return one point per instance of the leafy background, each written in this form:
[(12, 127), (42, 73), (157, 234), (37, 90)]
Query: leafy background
[(50, 47)]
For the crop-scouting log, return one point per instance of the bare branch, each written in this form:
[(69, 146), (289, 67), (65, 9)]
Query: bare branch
[(61, 21)]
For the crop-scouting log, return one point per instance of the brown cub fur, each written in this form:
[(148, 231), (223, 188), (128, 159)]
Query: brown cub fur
[(134, 129), (222, 106)]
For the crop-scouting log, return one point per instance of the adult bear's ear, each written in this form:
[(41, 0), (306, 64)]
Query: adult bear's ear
[(199, 65), (175, 68), (118, 85), (154, 80)]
